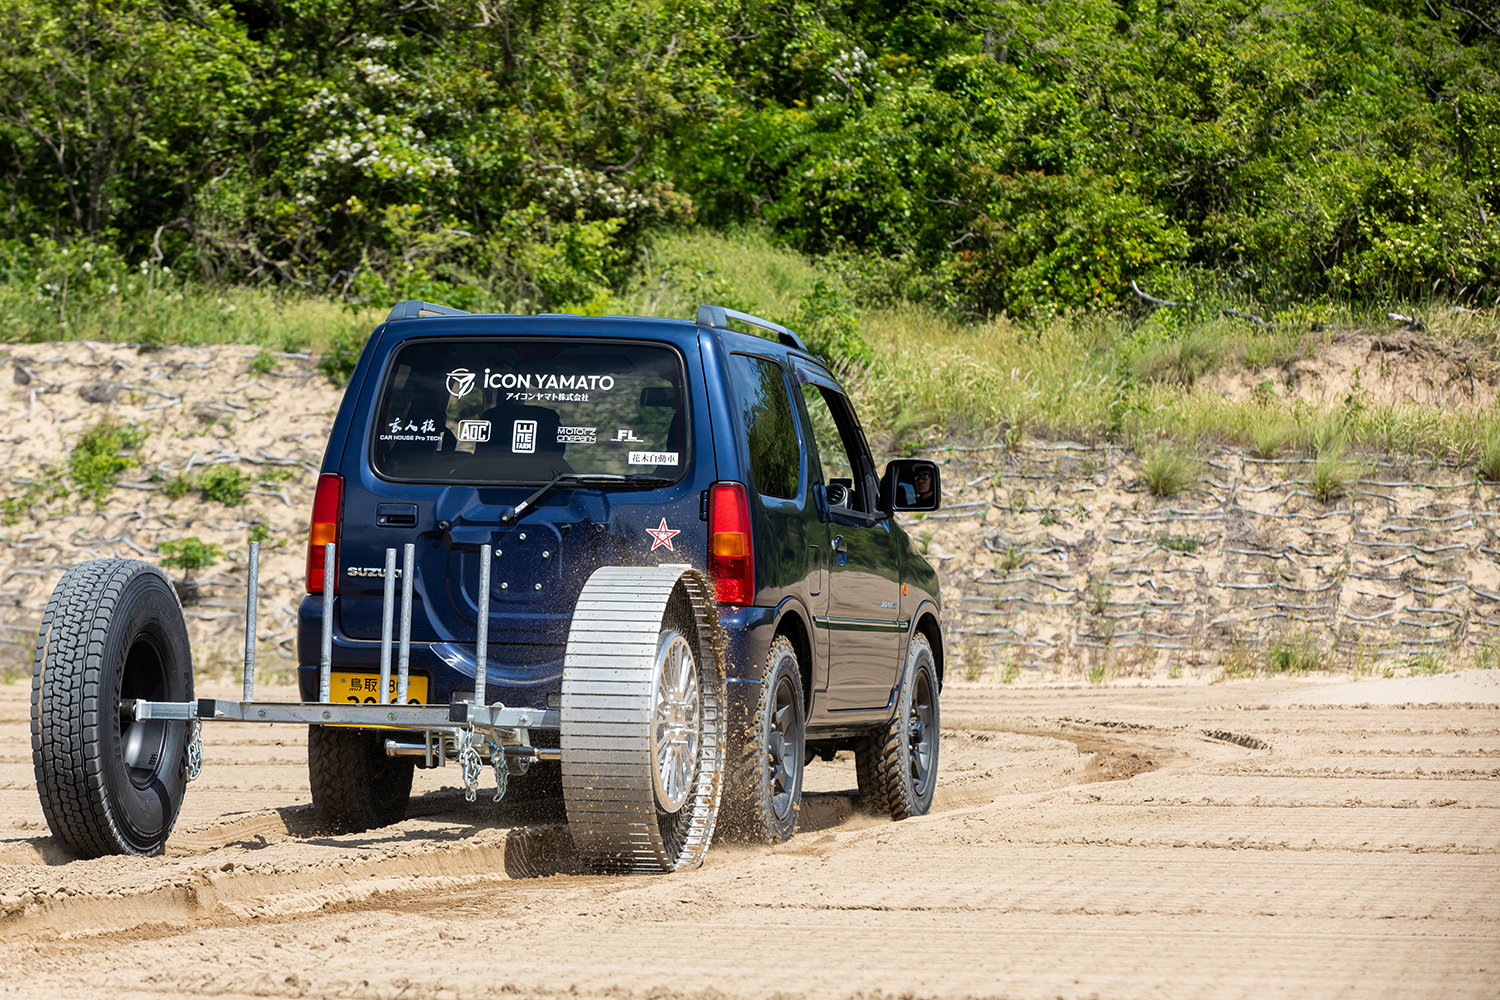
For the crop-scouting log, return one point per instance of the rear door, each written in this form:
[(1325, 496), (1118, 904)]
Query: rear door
[(861, 626)]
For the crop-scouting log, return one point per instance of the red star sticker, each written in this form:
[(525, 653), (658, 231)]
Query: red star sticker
[(663, 535)]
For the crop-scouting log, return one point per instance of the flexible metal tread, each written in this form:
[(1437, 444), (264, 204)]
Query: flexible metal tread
[(608, 701)]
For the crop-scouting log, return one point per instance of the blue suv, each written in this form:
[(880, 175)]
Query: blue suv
[(575, 486)]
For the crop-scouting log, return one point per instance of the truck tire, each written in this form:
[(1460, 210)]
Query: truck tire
[(897, 765), (764, 786), (113, 632), (642, 719), (355, 785)]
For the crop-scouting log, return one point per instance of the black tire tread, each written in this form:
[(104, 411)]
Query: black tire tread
[(355, 787), (881, 763), (747, 816), (66, 704)]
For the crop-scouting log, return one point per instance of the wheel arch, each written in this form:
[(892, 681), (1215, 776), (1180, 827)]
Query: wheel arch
[(793, 625), (927, 625)]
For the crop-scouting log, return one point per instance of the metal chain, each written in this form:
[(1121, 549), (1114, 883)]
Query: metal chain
[(194, 750), (502, 771), (468, 760)]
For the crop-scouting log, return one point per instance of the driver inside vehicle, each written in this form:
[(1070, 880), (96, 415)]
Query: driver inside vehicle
[(917, 494)]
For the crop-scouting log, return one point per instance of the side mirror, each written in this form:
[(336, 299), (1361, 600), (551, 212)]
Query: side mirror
[(911, 484)]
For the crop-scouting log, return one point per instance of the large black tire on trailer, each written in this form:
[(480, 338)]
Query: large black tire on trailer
[(643, 719), (113, 632), (355, 785), (897, 764)]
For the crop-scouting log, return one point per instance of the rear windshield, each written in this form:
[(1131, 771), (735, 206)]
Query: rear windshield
[(508, 411)]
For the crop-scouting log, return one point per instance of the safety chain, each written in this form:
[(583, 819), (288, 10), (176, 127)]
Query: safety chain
[(194, 750), (468, 760), (502, 771)]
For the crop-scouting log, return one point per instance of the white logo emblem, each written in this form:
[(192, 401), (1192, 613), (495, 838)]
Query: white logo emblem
[(523, 438), (626, 434), (460, 382), (477, 431)]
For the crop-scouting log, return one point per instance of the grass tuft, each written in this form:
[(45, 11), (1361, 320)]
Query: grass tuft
[(1332, 474), (1169, 470), (1489, 456)]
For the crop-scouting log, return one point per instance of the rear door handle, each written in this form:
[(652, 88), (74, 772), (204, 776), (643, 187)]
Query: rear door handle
[(838, 544), (396, 515)]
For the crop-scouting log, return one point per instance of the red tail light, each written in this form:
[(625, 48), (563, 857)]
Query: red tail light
[(327, 515), (730, 560)]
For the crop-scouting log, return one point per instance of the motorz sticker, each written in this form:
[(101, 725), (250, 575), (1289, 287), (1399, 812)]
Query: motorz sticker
[(577, 435), (523, 437), (477, 431), (544, 380), (460, 382), (653, 458)]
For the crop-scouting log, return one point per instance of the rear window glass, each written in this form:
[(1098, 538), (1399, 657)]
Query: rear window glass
[(492, 411)]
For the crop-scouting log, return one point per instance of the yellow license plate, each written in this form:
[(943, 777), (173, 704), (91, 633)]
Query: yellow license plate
[(364, 689)]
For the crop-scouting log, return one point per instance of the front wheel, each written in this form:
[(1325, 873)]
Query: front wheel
[(897, 765), (767, 752)]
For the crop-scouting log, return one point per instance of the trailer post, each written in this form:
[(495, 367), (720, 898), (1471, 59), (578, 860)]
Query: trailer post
[(250, 605), (325, 659), (482, 641), (403, 663), (387, 607)]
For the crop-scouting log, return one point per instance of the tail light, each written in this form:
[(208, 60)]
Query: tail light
[(327, 514), (730, 560)]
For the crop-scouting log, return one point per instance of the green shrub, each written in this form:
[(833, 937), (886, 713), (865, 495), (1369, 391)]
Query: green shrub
[(101, 454), (339, 360), (189, 555), (263, 363), (223, 484), (177, 487), (1294, 653)]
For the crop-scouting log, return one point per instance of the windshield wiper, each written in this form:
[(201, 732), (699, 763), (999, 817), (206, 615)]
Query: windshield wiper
[(575, 479)]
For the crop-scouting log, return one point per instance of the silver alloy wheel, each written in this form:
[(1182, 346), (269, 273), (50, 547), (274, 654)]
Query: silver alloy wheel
[(676, 722), (921, 731)]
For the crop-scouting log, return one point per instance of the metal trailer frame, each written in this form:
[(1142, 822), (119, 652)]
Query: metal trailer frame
[(469, 732)]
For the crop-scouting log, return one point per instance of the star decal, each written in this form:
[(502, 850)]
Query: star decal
[(663, 535)]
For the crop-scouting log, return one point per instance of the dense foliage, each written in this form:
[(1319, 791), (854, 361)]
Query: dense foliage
[(1018, 155)]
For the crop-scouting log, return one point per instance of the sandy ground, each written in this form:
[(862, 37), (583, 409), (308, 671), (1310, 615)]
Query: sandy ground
[(1251, 838)]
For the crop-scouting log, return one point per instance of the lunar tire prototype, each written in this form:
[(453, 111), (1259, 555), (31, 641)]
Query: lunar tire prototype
[(643, 717)]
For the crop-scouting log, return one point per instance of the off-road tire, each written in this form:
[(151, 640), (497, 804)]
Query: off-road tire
[(767, 751), (355, 785), (113, 631), (897, 765)]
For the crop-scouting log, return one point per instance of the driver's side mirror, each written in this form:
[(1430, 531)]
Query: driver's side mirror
[(911, 484)]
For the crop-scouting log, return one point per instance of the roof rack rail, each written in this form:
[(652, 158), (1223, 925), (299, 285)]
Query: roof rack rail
[(719, 317), (416, 309)]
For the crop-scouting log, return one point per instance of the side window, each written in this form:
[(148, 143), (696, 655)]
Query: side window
[(766, 408), (838, 446)]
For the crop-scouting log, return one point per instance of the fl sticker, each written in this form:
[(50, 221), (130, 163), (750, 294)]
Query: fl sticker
[(662, 535)]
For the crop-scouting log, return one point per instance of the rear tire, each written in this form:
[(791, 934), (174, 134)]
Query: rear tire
[(897, 765), (767, 752), (113, 632), (355, 785)]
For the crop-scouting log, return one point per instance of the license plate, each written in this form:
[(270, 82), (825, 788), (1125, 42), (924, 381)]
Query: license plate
[(363, 689)]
